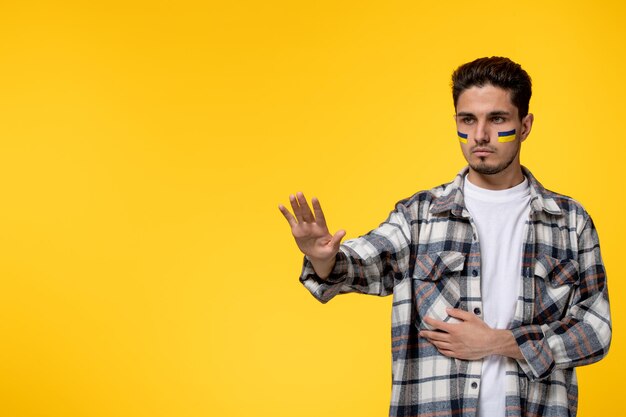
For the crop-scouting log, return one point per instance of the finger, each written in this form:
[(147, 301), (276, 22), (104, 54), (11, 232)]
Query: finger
[(335, 241), (437, 324), (441, 345), (296, 208), (307, 215), (438, 336), (443, 348), (317, 210), (290, 219), (447, 352), (460, 314)]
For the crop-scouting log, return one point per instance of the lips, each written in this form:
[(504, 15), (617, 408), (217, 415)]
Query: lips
[(482, 152)]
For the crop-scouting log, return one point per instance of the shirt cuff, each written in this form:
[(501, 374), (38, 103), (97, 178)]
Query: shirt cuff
[(326, 288), (538, 362), (338, 274)]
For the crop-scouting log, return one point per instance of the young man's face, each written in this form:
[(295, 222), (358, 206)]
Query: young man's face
[(487, 116)]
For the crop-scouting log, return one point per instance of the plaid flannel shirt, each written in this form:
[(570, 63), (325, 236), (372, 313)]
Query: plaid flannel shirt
[(427, 255)]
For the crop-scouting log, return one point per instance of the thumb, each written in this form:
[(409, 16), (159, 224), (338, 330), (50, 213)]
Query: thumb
[(336, 239)]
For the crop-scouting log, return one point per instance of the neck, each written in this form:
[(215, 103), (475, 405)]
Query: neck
[(501, 181)]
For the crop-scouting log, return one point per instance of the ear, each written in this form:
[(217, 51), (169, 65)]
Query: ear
[(527, 124)]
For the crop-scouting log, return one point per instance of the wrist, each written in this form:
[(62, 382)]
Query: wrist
[(504, 344), (322, 267)]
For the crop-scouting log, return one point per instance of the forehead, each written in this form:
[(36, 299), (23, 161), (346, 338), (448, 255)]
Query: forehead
[(485, 99)]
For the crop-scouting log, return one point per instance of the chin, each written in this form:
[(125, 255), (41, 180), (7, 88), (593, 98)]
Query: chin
[(488, 169)]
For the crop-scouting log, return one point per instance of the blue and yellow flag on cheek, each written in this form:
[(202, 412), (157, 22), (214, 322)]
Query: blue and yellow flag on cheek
[(462, 136), (508, 136)]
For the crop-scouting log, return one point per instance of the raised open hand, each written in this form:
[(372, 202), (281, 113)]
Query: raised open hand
[(310, 231)]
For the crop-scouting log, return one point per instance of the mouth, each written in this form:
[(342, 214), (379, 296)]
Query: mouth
[(482, 152)]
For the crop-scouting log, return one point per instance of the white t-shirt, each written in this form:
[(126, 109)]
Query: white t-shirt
[(500, 218)]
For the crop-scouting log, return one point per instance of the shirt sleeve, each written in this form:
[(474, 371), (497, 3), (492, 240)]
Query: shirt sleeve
[(370, 264), (583, 336)]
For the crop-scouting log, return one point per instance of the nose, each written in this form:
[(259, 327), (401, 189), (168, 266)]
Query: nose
[(480, 134)]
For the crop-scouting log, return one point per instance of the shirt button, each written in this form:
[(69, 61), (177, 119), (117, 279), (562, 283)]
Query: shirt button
[(477, 311), (474, 273), (474, 385)]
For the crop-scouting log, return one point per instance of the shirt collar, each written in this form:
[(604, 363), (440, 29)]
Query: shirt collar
[(452, 200)]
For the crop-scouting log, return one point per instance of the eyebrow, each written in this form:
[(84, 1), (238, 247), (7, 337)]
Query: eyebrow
[(493, 113)]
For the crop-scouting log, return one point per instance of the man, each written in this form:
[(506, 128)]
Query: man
[(499, 290)]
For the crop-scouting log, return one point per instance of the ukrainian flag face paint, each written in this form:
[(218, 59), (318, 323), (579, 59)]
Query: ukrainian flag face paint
[(508, 136), (462, 136)]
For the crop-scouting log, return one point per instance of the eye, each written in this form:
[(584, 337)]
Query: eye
[(467, 120), (498, 119)]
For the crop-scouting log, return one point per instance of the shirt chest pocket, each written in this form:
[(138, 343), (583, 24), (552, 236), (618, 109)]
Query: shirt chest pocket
[(437, 285), (556, 280)]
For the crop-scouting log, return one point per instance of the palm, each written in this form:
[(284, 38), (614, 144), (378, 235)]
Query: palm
[(309, 229), (313, 239)]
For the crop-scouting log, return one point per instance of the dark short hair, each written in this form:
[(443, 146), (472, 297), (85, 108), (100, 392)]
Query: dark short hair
[(499, 72)]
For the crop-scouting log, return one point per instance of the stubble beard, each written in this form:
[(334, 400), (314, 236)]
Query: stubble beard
[(484, 169)]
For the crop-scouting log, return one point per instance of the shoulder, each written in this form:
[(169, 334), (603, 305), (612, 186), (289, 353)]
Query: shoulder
[(572, 211), (558, 205), (419, 204), (565, 202)]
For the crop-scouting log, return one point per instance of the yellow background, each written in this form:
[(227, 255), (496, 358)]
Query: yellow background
[(145, 269)]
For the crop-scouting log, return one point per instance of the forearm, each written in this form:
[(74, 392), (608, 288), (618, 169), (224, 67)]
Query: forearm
[(564, 344), (580, 331), (370, 264)]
